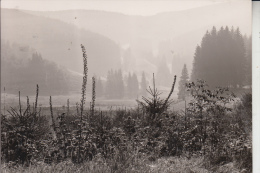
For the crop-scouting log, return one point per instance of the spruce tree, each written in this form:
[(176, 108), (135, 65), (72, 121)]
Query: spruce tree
[(220, 58), (182, 84), (195, 70)]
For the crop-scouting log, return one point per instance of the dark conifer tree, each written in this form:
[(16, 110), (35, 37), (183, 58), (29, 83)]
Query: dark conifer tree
[(240, 60), (220, 59), (195, 71), (182, 84)]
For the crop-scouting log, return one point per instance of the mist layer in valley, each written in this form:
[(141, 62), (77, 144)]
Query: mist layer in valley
[(44, 48)]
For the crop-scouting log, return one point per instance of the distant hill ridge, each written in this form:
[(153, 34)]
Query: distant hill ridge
[(166, 25), (184, 29), (60, 42)]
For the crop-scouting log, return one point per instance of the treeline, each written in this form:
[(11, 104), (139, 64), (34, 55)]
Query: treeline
[(118, 87), (224, 58), (22, 73)]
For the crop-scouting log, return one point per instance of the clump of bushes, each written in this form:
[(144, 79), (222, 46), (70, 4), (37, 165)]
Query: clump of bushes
[(23, 133)]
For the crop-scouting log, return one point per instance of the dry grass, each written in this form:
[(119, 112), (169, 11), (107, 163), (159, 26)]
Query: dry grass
[(137, 165)]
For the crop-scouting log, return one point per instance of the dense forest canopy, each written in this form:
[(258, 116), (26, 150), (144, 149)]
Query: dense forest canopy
[(223, 59)]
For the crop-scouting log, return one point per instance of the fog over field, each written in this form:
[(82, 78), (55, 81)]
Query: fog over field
[(129, 37)]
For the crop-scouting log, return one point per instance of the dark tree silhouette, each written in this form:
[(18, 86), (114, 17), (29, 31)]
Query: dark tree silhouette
[(220, 59), (182, 84)]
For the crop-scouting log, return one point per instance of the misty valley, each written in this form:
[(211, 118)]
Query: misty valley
[(99, 91)]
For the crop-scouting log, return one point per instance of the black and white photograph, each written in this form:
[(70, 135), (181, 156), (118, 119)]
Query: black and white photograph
[(127, 86)]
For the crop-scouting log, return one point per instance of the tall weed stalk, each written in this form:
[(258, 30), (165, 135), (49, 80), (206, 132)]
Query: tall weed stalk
[(93, 96), (83, 96)]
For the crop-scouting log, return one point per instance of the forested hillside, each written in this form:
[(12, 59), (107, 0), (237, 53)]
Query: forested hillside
[(151, 38), (22, 68), (59, 42)]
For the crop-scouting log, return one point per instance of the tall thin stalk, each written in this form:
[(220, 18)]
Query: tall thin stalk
[(36, 98), (93, 96), (83, 95), (185, 114), (154, 96), (52, 118), (84, 83), (28, 106), (4, 100), (68, 106), (20, 106), (77, 108), (167, 99)]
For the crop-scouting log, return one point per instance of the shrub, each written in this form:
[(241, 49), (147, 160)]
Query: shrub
[(243, 113), (155, 106), (22, 133), (242, 139)]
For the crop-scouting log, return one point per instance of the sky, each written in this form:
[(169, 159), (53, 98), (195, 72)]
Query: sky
[(133, 7)]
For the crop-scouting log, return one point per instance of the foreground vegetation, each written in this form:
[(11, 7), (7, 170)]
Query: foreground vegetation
[(171, 164), (210, 135)]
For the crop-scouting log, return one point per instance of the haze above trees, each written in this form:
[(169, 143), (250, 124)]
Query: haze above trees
[(158, 35), (159, 44)]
